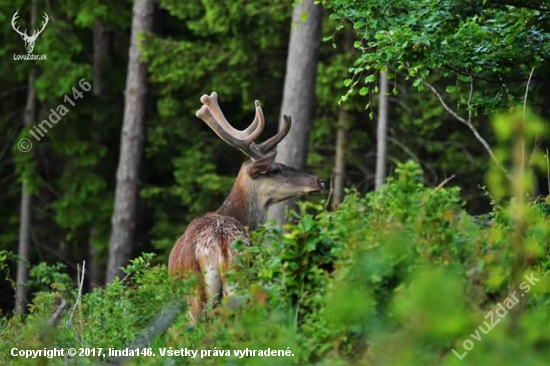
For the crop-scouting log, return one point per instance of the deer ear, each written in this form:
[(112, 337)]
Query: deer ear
[(260, 166)]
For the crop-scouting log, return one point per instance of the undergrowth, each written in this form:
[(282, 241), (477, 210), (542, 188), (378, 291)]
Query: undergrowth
[(397, 277)]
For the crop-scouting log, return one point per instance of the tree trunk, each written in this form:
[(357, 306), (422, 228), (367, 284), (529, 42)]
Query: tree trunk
[(133, 126), (342, 128), (381, 143), (299, 90), (101, 48), (23, 252), (344, 120), (26, 199)]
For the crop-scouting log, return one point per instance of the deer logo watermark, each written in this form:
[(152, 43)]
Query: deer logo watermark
[(29, 40)]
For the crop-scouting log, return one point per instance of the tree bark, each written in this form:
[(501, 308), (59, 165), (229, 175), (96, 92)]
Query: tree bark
[(299, 90), (342, 128), (344, 120), (101, 49), (23, 252), (26, 198), (382, 131), (132, 137)]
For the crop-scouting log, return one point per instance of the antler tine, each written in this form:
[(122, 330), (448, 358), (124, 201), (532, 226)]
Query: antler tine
[(272, 142), (205, 114), (212, 115), (212, 102), (13, 19), (258, 124)]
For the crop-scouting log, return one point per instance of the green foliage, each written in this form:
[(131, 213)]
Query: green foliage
[(45, 278), (489, 41), (480, 57), (398, 276)]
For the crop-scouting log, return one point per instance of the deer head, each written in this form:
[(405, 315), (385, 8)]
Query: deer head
[(29, 40), (261, 181)]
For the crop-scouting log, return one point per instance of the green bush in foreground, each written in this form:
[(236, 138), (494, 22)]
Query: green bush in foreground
[(401, 276)]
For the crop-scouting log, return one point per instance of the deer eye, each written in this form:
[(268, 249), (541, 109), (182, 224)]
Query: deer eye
[(276, 170)]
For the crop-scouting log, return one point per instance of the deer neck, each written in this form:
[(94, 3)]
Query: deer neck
[(243, 204)]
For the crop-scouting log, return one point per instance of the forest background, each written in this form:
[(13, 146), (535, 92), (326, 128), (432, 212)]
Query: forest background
[(459, 89)]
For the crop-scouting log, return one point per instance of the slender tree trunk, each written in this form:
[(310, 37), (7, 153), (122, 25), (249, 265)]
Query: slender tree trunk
[(299, 90), (382, 132), (94, 277), (26, 199), (101, 48), (342, 127), (24, 244), (133, 126), (344, 120)]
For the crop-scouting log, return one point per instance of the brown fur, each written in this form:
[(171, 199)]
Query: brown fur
[(204, 250), (206, 242), (205, 247)]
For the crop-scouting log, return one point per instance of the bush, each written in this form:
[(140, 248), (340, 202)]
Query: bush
[(399, 276)]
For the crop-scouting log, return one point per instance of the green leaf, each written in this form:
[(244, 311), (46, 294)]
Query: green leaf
[(359, 24), (364, 90), (370, 78), (450, 89)]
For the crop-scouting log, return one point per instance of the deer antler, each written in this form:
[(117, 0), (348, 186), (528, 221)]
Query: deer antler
[(212, 115), (13, 19)]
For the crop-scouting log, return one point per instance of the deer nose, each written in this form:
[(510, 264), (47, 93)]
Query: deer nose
[(321, 183)]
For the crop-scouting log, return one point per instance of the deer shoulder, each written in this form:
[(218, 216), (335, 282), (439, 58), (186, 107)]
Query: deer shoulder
[(207, 242)]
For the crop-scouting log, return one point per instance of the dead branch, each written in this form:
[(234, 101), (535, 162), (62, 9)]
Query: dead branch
[(159, 325), (447, 180), (57, 315), (468, 123), (548, 169), (524, 109), (79, 296), (331, 190)]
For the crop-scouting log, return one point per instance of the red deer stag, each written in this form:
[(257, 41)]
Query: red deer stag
[(205, 247)]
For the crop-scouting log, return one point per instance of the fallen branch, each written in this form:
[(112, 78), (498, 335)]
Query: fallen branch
[(57, 315), (159, 325)]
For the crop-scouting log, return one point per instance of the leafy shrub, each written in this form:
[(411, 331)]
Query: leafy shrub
[(400, 276)]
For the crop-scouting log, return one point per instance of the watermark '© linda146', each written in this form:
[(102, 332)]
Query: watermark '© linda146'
[(501, 311), (39, 130)]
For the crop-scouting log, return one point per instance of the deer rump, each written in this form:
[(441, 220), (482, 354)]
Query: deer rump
[(205, 251)]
